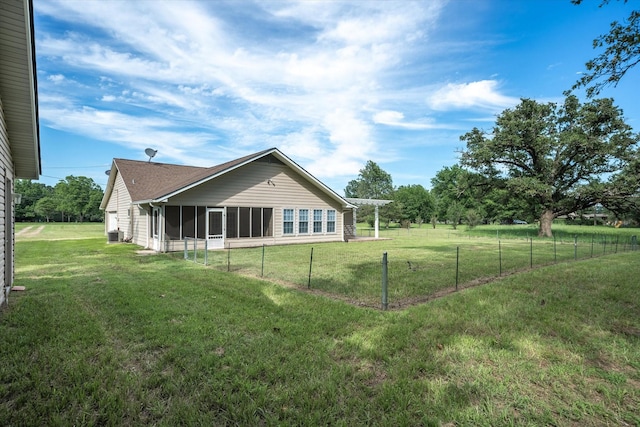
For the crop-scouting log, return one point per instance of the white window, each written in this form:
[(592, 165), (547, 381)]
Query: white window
[(303, 221), (287, 221), (317, 220), (331, 221)]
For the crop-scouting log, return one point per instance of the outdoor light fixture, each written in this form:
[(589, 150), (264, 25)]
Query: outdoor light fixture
[(17, 198)]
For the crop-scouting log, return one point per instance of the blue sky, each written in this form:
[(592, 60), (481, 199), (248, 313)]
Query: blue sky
[(331, 84)]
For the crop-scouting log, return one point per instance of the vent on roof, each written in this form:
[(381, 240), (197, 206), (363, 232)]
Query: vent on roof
[(270, 159)]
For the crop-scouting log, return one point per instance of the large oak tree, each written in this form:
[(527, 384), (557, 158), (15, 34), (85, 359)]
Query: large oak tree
[(563, 158)]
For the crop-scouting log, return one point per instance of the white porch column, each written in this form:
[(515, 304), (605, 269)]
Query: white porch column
[(377, 222), (355, 223)]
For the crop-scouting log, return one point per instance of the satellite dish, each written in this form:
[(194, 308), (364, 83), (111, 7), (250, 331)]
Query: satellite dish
[(151, 153), (107, 172)]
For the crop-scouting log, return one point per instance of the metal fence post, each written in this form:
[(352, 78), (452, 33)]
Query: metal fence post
[(385, 282), (186, 252), (206, 251), (310, 266), (262, 268), (531, 253), (575, 247), (457, 264), (500, 257), (229, 258)]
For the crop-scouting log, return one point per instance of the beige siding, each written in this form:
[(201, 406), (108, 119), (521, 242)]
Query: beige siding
[(132, 219), (261, 184), (140, 232), (120, 203), (6, 222)]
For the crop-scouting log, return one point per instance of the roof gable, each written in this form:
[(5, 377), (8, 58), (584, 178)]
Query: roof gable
[(157, 182)]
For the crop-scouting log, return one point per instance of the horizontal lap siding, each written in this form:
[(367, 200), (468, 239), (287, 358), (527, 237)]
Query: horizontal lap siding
[(133, 223), (140, 232), (261, 184), (6, 169)]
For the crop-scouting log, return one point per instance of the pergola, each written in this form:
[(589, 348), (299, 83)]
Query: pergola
[(369, 202)]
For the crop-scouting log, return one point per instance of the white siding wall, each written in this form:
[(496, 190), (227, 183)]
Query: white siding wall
[(6, 222), (261, 184)]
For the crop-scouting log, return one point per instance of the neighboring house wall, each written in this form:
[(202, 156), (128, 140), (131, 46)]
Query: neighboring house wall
[(120, 204), (6, 210)]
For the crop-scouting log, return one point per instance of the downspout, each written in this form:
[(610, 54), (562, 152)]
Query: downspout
[(149, 226), (131, 222)]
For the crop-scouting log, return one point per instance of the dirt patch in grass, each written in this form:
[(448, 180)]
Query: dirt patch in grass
[(30, 231), (396, 305)]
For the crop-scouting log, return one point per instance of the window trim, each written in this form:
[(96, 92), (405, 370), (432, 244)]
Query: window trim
[(327, 222), (285, 222), (320, 222), (301, 221)]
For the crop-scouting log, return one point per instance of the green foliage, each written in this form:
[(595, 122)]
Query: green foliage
[(79, 197), (46, 207), (74, 197), (457, 185), (454, 213), (31, 192), (554, 156), (621, 53), (474, 218), (416, 202), (372, 183)]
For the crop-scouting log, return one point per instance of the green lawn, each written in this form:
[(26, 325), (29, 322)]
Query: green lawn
[(422, 262), (104, 336), (58, 230)]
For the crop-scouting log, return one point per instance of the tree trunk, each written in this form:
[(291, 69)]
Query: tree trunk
[(546, 219)]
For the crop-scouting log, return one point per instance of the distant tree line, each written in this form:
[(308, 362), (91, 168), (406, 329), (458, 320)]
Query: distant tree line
[(540, 162), (76, 198)]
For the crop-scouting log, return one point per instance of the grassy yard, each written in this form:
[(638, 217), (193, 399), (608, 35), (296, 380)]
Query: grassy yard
[(58, 230), (104, 336), (422, 262)]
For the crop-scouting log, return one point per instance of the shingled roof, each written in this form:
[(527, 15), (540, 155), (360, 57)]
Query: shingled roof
[(151, 181), (146, 180)]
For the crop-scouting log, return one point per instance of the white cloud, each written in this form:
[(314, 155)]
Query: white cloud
[(396, 119), (56, 78), (129, 131), (482, 94), (186, 65)]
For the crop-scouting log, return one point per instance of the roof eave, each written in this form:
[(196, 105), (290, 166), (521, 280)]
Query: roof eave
[(28, 165)]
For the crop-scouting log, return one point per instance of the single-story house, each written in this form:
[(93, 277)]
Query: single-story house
[(19, 126), (261, 198)]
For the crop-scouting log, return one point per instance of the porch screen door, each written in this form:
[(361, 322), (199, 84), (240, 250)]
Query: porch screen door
[(215, 228), (155, 228)]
